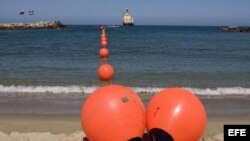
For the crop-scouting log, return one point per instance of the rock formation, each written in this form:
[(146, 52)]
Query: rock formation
[(33, 25)]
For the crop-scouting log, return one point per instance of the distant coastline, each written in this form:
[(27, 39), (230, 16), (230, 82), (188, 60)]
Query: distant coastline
[(32, 25)]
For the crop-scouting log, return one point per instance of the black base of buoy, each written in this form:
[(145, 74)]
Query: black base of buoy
[(145, 137), (85, 139), (156, 134)]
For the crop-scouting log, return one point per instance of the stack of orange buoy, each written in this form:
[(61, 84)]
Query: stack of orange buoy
[(104, 52), (105, 71)]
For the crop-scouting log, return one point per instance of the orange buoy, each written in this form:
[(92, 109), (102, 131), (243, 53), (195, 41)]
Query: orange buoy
[(176, 112), (105, 72), (113, 113), (104, 52), (104, 43), (103, 39), (103, 35), (102, 27), (103, 30)]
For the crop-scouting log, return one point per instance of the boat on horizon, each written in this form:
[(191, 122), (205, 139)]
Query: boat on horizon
[(128, 19)]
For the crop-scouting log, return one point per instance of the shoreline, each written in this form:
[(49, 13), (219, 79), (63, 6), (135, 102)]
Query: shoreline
[(70, 104)]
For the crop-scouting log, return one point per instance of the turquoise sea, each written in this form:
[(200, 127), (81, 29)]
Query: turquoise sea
[(48, 65)]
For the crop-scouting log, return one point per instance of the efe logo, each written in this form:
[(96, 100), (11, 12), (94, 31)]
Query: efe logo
[(237, 132)]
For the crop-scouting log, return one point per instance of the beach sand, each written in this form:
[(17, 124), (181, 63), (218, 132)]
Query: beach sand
[(68, 128), (40, 128)]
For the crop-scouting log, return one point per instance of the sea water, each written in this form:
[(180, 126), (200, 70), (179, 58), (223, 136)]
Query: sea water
[(55, 63)]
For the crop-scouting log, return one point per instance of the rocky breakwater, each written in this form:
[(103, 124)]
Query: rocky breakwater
[(236, 29), (33, 25)]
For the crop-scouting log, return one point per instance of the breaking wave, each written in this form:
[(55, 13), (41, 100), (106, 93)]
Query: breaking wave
[(47, 89), (90, 89)]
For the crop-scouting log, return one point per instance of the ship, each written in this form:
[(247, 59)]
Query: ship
[(127, 19)]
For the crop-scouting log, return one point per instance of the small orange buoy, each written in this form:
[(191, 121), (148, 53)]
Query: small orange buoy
[(103, 35), (104, 52), (105, 72), (103, 39), (104, 43), (102, 27), (176, 112), (113, 113), (103, 31)]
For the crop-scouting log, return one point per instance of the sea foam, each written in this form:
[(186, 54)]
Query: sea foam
[(90, 89), (47, 89)]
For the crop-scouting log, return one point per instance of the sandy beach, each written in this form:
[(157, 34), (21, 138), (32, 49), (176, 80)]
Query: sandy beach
[(40, 128), (68, 128)]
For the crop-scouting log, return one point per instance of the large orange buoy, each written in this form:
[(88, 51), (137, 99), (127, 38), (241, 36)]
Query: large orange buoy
[(105, 72), (104, 43), (175, 114), (104, 52), (113, 113)]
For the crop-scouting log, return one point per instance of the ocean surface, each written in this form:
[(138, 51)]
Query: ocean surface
[(49, 65)]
